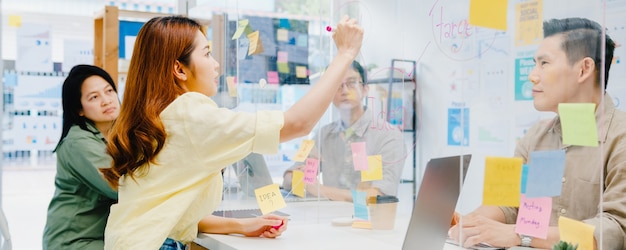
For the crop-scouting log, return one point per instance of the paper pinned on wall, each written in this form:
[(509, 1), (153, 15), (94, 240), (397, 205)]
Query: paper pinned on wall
[(256, 46), (375, 171), (282, 56), (272, 77), (269, 198), (301, 72), (282, 35), (489, 13), (503, 178), (283, 67), (579, 124)]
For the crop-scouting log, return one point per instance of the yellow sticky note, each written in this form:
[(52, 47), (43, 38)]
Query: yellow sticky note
[(243, 24), (232, 86), (375, 171), (297, 183), (283, 67), (301, 72), (503, 178), (256, 46), (528, 22), (363, 224), (282, 35), (488, 13), (269, 198), (579, 124), (15, 21), (576, 232), (305, 149)]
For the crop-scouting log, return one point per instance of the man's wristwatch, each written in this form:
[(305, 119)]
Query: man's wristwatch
[(526, 240)]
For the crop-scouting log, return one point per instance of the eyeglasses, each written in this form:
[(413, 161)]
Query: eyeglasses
[(351, 84)]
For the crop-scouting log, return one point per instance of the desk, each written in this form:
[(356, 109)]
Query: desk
[(310, 228)]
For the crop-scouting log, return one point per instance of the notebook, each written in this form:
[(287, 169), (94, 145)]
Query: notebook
[(435, 203)]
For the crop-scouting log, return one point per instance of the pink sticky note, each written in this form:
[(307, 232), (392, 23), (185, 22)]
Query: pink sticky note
[(310, 170), (533, 217), (272, 77), (359, 156), (282, 56)]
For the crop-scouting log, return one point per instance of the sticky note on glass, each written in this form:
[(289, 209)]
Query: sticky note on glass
[(241, 27), (579, 124), (503, 178), (310, 170), (282, 56), (576, 233), (489, 13), (232, 86), (304, 150), (297, 183), (272, 77), (375, 171), (533, 217), (359, 156), (284, 23), (360, 205), (15, 21), (524, 178), (545, 173), (301, 72), (269, 198), (282, 35), (256, 46), (283, 67)]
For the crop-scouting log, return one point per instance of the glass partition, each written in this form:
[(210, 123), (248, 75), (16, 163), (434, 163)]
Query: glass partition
[(435, 79)]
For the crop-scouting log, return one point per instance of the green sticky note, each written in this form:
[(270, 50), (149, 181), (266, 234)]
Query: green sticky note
[(488, 13), (283, 67), (578, 122)]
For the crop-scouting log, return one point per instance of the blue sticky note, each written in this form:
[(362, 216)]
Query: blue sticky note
[(284, 23), (360, 204), (524, 178), (545, 173)]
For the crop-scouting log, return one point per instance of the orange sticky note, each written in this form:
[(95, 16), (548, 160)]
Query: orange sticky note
[(488, 13), (576, 232), (375, 171), (301, 72), (15, 21), (503, 180), (269, 198), (305, 149), (232, 86), (297, 183), (256, 46)]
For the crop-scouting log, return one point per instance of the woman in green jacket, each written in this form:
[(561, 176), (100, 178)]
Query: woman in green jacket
[(79, 209)]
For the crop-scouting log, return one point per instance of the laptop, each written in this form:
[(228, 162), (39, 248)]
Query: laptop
[(435, 203), (252, 173)]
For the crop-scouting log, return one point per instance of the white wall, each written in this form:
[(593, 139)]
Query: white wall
[(483, 81)]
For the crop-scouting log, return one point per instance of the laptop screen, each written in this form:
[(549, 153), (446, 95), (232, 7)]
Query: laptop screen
[(435, 203)]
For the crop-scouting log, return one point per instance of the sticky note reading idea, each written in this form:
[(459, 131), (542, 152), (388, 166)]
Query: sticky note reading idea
[(269, 198), (305, 149), (576, 233), (503, 177), (579, 124), (488, 13)]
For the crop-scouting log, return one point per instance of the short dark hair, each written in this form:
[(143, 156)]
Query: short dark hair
[(582, 38), (359, 69), (70, 96)]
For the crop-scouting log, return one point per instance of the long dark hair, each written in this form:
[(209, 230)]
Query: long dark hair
[(71, 96)]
